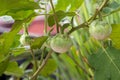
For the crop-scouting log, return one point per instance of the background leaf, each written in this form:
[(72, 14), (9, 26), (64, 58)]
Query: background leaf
[(115, 35), (19, 10), (111, 8), (103, 66)]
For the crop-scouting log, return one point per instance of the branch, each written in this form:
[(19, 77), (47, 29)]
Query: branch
[(99, 9), (85, 24), (78, 27)]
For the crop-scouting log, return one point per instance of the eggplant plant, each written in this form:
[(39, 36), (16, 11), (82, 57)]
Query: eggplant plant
[(85, 46)]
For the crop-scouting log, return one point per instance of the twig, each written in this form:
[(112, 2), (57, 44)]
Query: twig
[(78, 27), (98, 10), (103, 4), (55, 16), (41, 67)]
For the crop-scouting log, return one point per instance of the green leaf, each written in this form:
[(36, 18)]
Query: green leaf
[(49, 68), (106, 64), (38, 42), (15, 49), (1, 47), (13, 69), (8, 38), (16, 42), (115, 35), (3, 65), (111, 8), (20, 15), (2, 57), (69, 5), (21, 4), (18, 51), (19, 10), (60, 15)]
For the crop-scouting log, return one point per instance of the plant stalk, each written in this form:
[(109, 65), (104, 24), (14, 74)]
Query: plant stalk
[(41, 66), (34, 59), (45, 26)]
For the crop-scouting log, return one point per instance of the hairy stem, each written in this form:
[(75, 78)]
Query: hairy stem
[(41, 66), (35, 61), (78, 27), (45, 27)]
